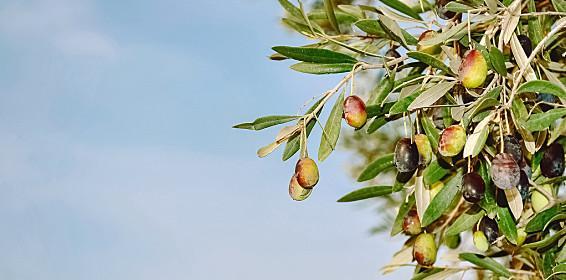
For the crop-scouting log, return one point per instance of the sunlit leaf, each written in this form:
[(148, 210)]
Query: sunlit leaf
[(542, 86), (485, 262), (431, 95), (367, 192), (443, 200), (541, 121), (265, 122), (314, 55), (377, 166), (322, 68), (331, 129)]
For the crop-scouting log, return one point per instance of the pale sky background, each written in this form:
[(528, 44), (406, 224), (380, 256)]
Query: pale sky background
[(118, 161)]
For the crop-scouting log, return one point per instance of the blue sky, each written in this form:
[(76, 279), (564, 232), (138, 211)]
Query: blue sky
[(117, 160)]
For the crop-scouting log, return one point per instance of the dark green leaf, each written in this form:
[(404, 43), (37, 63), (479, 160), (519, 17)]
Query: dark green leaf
[(434, 173), (314, 55), (497, 61), (380, 92), (546, 241), (457, 7), (507, 224), (430, 60), (488, 200), (431, 133), (542, 121), (265, 122), (403, 210), (291, 9), (321, 69), (465, 222), (443, 200), (376, 124), (402, 104), (366, 193), (329, 8), (539, 220), (485, 262), (401, 7), (331, 132), (392, 29), (372, 27), (377, 166), (542, 86), (535, 28)]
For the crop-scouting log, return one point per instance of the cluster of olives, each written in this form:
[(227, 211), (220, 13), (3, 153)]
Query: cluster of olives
[(306, 171)]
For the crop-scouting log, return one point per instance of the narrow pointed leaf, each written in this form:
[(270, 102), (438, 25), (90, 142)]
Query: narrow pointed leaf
[(485, 262), (506, 224), (322, 68), (497, 61), (329, 8), (542, 121), (365, 193), (314, 55), (541, 86), (430, 60), (265, 122), (331, 132), (464, 222), (443, 200), (373, 169), (403, 210), (402, 7), (431, 95)]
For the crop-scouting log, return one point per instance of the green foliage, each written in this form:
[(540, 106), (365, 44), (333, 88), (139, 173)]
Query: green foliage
[(421, 91)]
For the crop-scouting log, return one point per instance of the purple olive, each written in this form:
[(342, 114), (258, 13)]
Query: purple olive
[(511, 146), (406, 157), (505, 172), (473, 187), (552, 162)]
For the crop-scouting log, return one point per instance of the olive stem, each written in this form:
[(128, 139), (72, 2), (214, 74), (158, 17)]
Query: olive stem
[(516, 271), (530, 59)]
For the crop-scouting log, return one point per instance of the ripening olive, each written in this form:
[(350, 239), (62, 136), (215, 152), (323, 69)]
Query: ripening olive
[(505, 172), (424, 148), (473, 70), (432, 49), (489, 228), (523, 185), (307, 173), (394, 54), (526, 44), (452, 241), (539, 200), (452, 141), (355, 111), (411, 223), (297, 192), (480, 241), (552, 162), (424, 249), (442, 12), (406, 157), (473, 187), (511, 146)]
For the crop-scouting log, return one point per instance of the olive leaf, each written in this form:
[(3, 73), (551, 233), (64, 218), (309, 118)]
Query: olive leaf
[(510, 21), (431, 132), (539, 220), (431, 95), (454, 33), (542, 87), (322, 68), (331, 131), (443, 200), (422, 196), (265, 122), (402, 7), (497, 61), (434, 173), (430, 60), (541, 121), (380, 92), (485, 262), (457, 7), (376, 124), (402, 104), (371, 26), (515, 202), (392, 28), (367, 192), (329, 8), (476, 141), (377, 166), (314, 55), (465, 222), (293, 143), (507, 224)]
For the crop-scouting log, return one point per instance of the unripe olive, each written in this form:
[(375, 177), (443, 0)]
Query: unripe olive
[(505, 172), (307, 173), (489, 228), (297, 192), (526, 44), (473, 187), (424, 249), (539, 200), (411, 223), (552, 162), (406, 157), (424, 148), (452, 241), (452, 141), (442, 12), (511, 146), (473, 70), (355, 111), (432, 50), (480, 241), (393, 53)]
